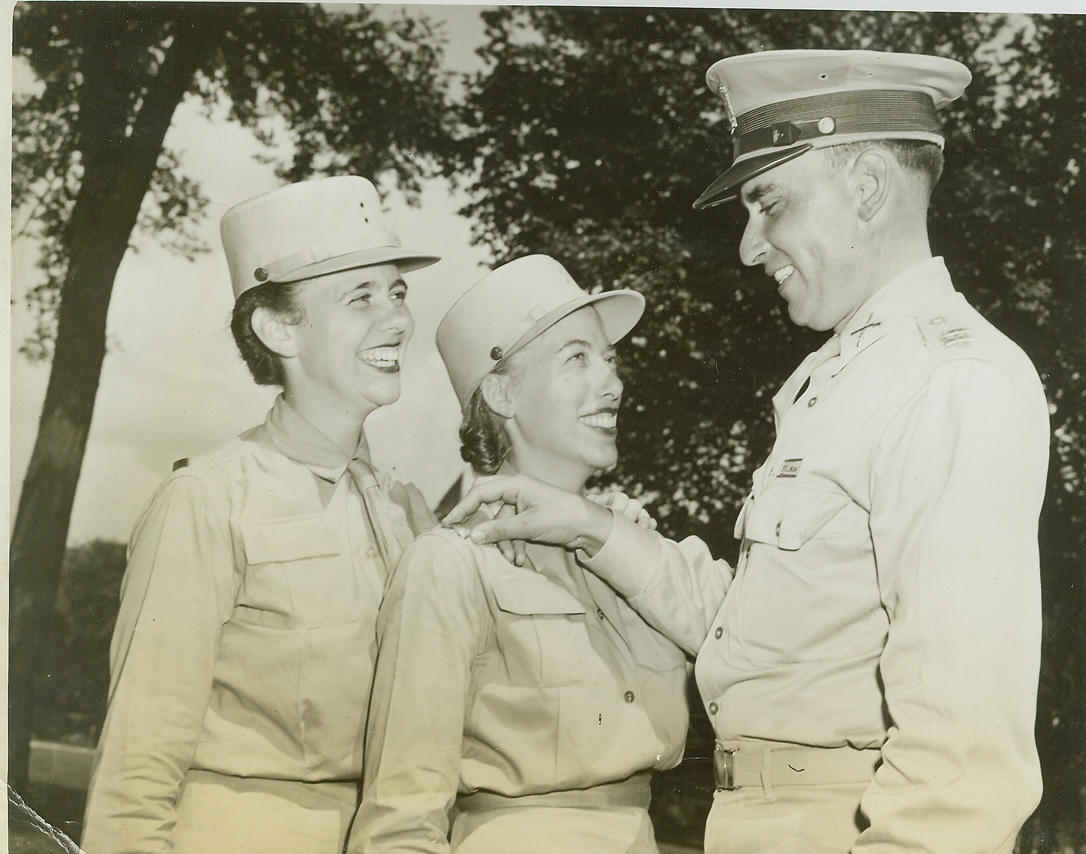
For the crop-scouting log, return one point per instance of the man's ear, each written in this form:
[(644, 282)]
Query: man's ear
[(275, 332), (873, 176), (497, 392)]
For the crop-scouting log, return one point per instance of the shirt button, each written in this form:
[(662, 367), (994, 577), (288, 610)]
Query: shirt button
[(371, 551), (629, 696), (812, 402), (713, 708), (719, 633), (777, 530), (599, 613)]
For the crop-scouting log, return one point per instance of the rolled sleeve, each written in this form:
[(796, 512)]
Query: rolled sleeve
[(177, 593), (958, 480)]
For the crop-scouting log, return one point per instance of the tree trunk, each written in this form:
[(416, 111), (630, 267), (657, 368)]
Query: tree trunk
[(118, 168)]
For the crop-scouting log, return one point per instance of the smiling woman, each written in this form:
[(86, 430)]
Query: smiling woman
[(342, 355), (534, 699), (243, 654)]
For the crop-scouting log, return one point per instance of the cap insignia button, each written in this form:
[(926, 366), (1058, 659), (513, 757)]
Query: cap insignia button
[(496, 353), (826, 125), (260, 274)]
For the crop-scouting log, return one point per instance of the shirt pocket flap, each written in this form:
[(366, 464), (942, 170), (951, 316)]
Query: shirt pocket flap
[(283, 540), (789, 516), (527, 594)]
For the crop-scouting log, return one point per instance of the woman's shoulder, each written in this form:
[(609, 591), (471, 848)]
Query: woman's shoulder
[(444, 543), (440, 567), (207, 481)]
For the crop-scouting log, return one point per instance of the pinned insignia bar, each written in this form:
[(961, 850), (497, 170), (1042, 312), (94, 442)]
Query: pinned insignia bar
[(954, 337)]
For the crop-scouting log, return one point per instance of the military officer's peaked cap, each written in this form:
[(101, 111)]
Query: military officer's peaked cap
[(780, 104), (514, 304), (308, 229)]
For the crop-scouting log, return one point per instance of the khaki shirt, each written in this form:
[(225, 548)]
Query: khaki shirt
[(497, 678), (245, 639), (887, 592)]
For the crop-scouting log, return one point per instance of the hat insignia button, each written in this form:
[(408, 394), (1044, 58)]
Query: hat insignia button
[(496, 353), (260, 274), (826, 125)]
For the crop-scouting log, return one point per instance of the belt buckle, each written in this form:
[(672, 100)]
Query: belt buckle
[(724, 767)]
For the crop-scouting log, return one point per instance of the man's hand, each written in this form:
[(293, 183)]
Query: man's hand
[(544, 514), (630, 508)]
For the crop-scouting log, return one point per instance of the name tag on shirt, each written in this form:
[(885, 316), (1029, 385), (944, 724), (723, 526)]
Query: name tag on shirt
[(790, 468)]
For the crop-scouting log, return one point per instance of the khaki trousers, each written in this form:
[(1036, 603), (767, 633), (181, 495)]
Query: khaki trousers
[(812, 819), (554, 830), (219, 814)]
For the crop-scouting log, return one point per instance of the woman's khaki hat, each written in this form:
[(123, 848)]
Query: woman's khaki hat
[(309, 229), (512, 305), (780, 104)]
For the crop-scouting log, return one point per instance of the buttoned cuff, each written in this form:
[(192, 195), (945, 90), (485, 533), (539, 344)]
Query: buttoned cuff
[(629, 558)]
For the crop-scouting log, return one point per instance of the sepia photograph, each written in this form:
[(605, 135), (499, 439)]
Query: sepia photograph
[(590, 428)]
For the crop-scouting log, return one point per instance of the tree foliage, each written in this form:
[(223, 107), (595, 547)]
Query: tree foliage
[(589, 134), (341, 90)]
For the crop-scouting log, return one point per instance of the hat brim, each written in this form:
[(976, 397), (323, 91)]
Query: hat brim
[(407, 260), (726, 187), (618, 311)]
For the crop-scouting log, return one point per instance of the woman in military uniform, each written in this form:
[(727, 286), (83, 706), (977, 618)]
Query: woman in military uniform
[(532, 702), (243, 654)]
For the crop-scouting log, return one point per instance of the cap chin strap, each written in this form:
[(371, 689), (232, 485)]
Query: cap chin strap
[(878, 112)]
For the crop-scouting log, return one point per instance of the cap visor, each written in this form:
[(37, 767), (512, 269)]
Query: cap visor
[(726, 187)]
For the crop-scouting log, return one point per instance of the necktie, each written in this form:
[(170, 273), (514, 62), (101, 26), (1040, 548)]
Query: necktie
[(390, 537), (830, 350)]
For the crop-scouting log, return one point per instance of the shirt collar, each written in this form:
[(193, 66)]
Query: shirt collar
[(297, 438), (895, 300)]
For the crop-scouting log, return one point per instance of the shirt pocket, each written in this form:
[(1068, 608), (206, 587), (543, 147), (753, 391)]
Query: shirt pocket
[(805, 590), (296, 574), (787, 517), (541, 632)]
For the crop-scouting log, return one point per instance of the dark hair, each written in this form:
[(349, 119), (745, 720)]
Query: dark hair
[(281, 300), (482, 431), (918, 156)]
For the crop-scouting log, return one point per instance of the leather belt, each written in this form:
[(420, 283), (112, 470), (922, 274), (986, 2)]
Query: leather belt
[(632, 792), (737, 765)]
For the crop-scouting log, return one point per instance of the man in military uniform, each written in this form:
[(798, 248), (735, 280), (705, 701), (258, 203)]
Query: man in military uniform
[(870, 665)]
